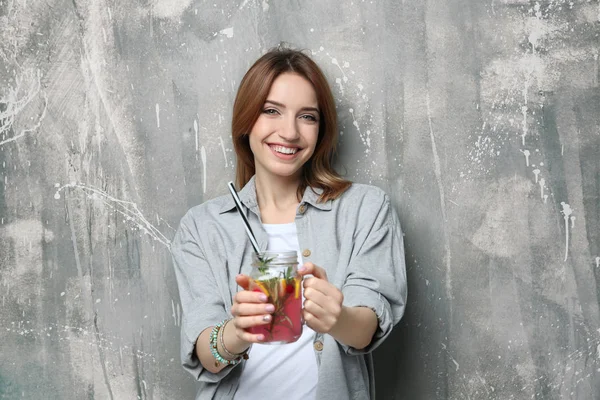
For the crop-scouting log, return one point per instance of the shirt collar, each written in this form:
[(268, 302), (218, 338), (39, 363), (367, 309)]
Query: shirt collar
[(248, 198)]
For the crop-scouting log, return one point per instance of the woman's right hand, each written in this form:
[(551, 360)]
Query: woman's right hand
[(250, 309)]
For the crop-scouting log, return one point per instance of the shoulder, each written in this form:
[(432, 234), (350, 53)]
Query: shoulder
[(364, 205), (200, 217), (363, 195)]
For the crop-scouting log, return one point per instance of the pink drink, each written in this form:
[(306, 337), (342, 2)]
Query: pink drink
[(285, 295)]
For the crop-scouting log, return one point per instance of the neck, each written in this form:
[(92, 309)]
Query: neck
[(276, 192)]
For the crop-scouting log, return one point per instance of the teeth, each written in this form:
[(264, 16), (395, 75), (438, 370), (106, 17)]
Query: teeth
[(284, 150)]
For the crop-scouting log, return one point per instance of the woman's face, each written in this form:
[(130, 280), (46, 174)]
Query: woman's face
[(285, 135)]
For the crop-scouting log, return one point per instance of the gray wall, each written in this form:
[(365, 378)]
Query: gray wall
[(481, 118)]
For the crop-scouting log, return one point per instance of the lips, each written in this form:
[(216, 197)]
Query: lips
[(284, 152), (284, 149)]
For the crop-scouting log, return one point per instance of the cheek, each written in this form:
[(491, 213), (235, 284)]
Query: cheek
[(252, 139), (256, 136), (312, 138)]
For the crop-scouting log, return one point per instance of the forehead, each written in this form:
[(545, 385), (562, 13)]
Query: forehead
[(293, 90)]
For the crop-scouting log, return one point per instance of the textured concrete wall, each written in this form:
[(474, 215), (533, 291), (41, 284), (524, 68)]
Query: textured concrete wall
[(481, 118)]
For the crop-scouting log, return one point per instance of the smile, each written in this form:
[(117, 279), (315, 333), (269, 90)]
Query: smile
[(283, 149)]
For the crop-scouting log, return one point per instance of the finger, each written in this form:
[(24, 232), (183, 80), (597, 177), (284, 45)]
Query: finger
[(249, 337), (324, 287), (246, 296), (243, 281), (315, 309), (312, 269), (312, 321), (317, 296), (249, 309), (317, 284), (251, 321)]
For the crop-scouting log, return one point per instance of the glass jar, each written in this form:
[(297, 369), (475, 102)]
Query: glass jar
[(276, 276)]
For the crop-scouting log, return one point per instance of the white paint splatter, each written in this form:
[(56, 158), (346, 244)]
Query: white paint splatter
[(227, 32), (173, 313), (196, 132), (203, 158), (223, 148), (157, 115), (339, 83), (542, 184), (355, 123), (127, 209), (527, 153), (537, 30), (598, 264), (545, 198), (566, 211), (572, 221), (334, 61), (438, 176), (265, 5), (524, 110), (455, 363), (27, 87), (536, 172)]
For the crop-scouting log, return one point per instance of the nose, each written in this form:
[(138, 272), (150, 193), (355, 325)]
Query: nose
[(289, 130)]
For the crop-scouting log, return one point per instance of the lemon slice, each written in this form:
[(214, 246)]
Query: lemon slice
[(297, 291)]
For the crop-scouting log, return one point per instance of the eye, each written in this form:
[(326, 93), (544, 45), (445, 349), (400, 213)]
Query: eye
[(310, 117), (270, 111)]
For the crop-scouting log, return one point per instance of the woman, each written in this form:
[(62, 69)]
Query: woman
[(347, 235)]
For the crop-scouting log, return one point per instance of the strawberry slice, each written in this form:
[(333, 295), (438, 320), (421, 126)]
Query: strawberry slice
[(290, 289)]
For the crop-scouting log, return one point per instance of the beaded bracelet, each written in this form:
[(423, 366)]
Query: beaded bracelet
[(243, 354), (214, 338)]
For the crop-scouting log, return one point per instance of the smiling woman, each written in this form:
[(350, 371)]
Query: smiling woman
[(284, 131), (285, 134), (291, 75)]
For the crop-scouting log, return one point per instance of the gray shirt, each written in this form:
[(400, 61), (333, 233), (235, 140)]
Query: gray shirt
[(357, 239)]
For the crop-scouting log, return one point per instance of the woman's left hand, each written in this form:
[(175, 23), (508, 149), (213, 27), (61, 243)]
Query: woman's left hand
[(323, 301)]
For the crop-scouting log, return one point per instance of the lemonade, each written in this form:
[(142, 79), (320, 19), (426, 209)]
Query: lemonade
[(275, 276)]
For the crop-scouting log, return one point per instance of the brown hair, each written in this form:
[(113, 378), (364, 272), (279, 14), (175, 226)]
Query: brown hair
[(318, 172)]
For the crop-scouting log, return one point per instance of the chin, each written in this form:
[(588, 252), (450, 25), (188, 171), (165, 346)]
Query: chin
[(285, 172)]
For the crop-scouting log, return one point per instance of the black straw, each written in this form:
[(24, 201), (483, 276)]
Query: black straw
[(238, 205)]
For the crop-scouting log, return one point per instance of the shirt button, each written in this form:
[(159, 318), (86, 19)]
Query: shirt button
[(318, 345), (306, 253), (302, 209)]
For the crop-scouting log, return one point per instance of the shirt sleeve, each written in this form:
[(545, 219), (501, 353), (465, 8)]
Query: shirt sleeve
[(201, 303), (377, 274)]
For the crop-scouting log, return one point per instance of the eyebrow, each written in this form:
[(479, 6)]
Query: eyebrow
[(283, 106)]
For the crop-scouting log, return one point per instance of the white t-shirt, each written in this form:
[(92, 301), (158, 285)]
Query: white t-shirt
[(285, 371)]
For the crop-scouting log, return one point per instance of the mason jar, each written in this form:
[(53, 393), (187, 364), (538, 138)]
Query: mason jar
[(276, 275)]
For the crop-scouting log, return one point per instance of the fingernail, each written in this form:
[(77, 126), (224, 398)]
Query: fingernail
[(266, 318), (263, 297), (302, 269), (270, 308), (261, 337)]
